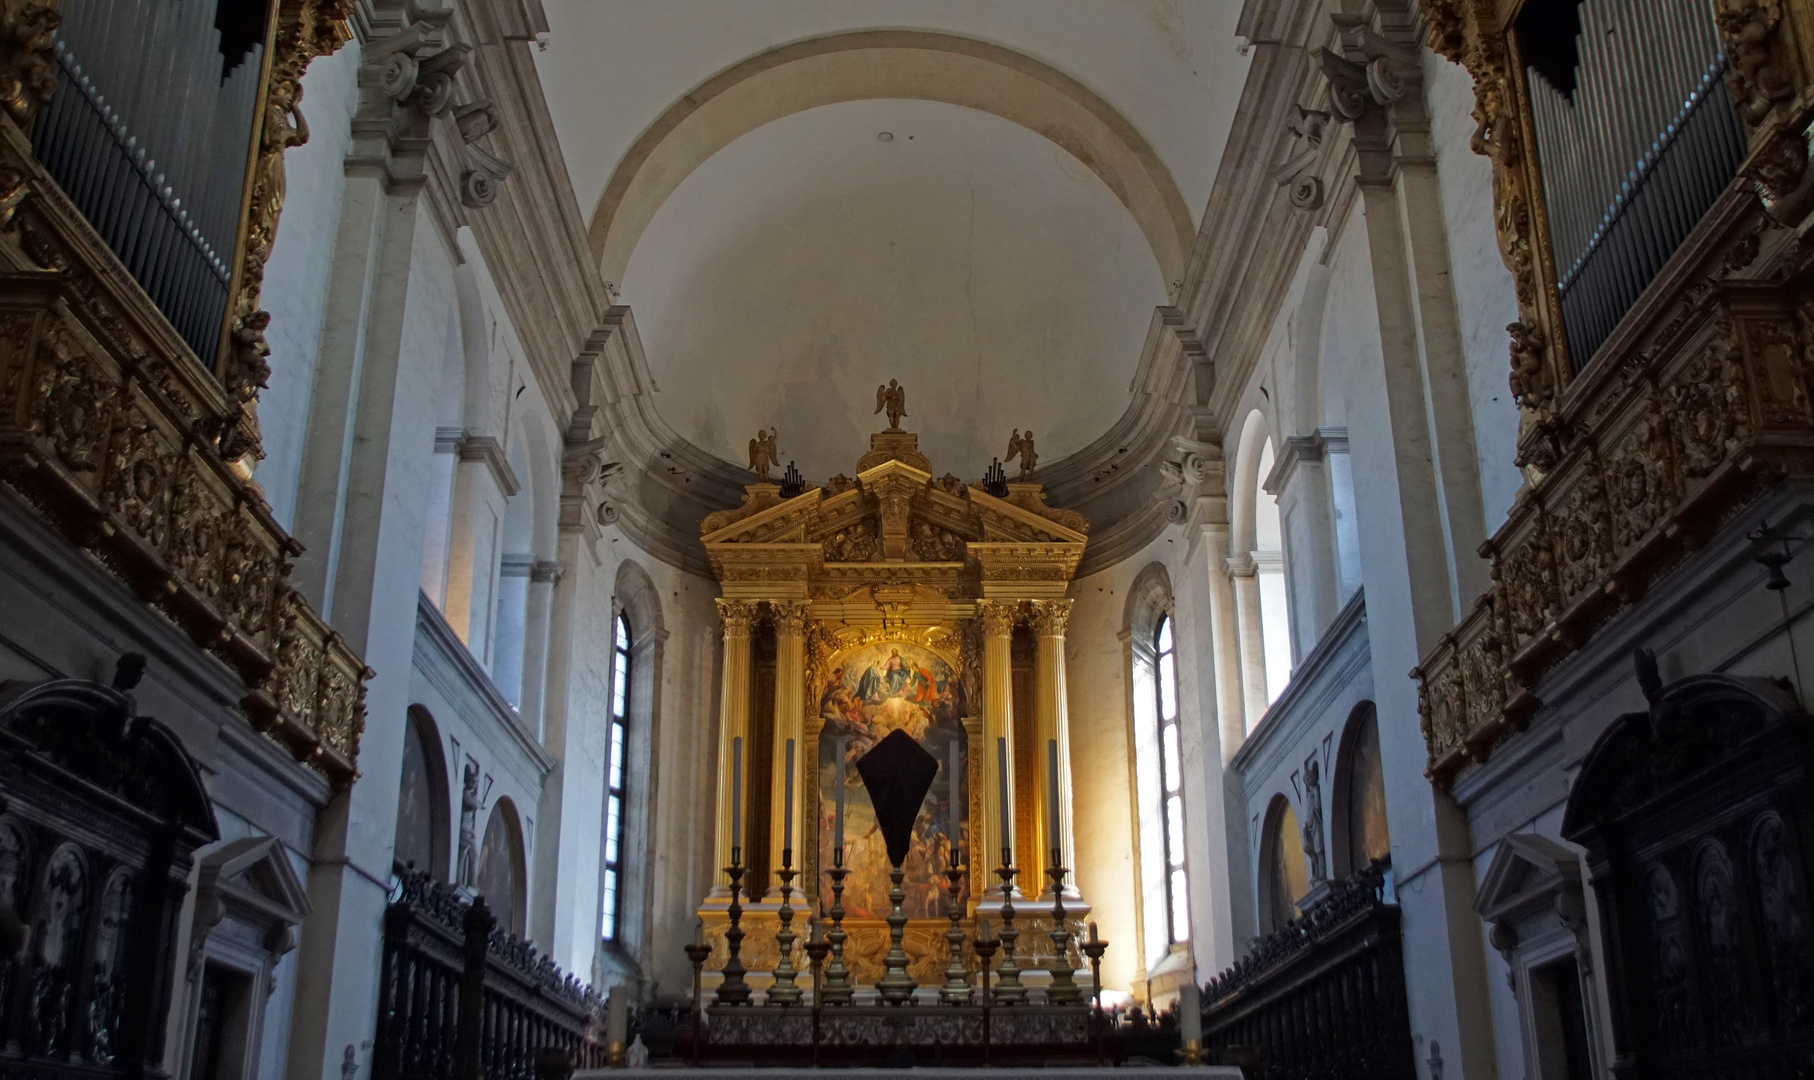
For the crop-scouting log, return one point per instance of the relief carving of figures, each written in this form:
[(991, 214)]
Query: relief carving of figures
[(1785, 923), (1468, 32), (855, 542), (933, 544), (467, 876), (1756, 80), (1709, 405), (27, 77), (57, 938)]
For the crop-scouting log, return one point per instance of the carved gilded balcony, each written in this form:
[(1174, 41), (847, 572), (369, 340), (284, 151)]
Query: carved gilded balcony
[(1699, 403), (1696, 400), (114, 429)]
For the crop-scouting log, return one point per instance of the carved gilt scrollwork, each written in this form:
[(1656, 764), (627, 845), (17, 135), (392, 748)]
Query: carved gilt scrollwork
[(111, 431)]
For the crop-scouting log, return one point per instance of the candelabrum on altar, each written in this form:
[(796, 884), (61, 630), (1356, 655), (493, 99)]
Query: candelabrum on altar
[(956, 990), (785, 991), (1008, 988), (1063, 990), (837, 990), (733, 990), (895, 985)]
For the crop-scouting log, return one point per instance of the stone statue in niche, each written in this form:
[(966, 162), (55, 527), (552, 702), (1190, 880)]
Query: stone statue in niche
[(893, 400), (1314, 852), (468, 875), (1021, 446), (763, 455)]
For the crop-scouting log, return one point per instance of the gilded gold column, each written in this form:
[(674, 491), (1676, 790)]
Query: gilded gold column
[(790, 723), (1052, 721), (733, 724), (998, 727)]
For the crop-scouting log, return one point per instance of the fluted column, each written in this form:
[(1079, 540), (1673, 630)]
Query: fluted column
[(998, 724), (1052, 722), (733, 723), (790, 723)]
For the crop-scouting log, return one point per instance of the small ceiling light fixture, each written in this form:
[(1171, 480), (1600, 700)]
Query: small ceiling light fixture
[(885, 136)]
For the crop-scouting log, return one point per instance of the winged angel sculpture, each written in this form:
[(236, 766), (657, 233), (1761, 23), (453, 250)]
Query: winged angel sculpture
[(1021, 446), (763, 454), (893, 399)]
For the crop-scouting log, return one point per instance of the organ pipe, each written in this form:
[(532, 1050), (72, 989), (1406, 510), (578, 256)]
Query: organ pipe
[(150, 134), (1632, 154)]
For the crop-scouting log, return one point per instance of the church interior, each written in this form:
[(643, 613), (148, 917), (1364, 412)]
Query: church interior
[(742, 537)]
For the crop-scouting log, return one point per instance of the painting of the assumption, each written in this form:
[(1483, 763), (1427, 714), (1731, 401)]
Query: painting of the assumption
[(870, 692)]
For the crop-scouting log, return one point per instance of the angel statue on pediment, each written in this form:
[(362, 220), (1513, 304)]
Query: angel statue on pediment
[(892, 399), (763, 454), (1021, 446)]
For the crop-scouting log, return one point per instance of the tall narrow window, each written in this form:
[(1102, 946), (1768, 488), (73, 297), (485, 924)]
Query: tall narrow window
[(614, 778), (1171, 774)]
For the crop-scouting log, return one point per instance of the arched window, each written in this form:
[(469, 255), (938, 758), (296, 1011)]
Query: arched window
[(614, 779), (1171, 781)]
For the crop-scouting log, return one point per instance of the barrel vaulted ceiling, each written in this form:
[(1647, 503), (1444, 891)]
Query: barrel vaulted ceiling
[(983, 198)]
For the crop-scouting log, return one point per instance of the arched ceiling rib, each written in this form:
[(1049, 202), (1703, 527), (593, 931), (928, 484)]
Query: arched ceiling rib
[(890, 64)]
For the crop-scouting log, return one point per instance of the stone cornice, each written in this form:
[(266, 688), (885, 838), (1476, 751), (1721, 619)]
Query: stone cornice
[(486, 449), (1312, 447)]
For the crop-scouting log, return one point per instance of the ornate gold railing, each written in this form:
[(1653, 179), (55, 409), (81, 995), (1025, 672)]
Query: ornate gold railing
[(1698, 402), (111, 426)]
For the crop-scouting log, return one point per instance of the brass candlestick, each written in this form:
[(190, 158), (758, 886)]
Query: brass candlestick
[(1063, 990), (895, 985), (837, 977), (1008, 989), (957, 981), (733, 990), (697, 952), (784, 991), (985, 948), (816, 949), (1093, 948)]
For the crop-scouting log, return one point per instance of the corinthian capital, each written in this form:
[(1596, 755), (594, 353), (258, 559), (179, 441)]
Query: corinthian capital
[(790, 618), (736, 616), (997, 617), (1050, 617)]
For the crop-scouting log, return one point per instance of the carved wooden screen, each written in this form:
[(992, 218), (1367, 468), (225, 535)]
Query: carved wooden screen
[(100, 813), (1697, 818)]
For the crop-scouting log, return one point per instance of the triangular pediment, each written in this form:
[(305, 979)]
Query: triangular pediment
[(894, 513), (1526, 871), (255, 872)]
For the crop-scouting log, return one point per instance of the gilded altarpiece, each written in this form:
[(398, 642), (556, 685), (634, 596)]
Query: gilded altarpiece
[(894, 582)]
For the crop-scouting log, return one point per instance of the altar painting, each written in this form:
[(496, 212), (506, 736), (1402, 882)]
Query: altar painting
[(871, 691)]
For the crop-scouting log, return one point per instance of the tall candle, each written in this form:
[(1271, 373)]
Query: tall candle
[(1190, 1012), (617, 1015), (1007, 810), (837, 749), (956, 842), (787, 828), (736, 795), (1052, 801)]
